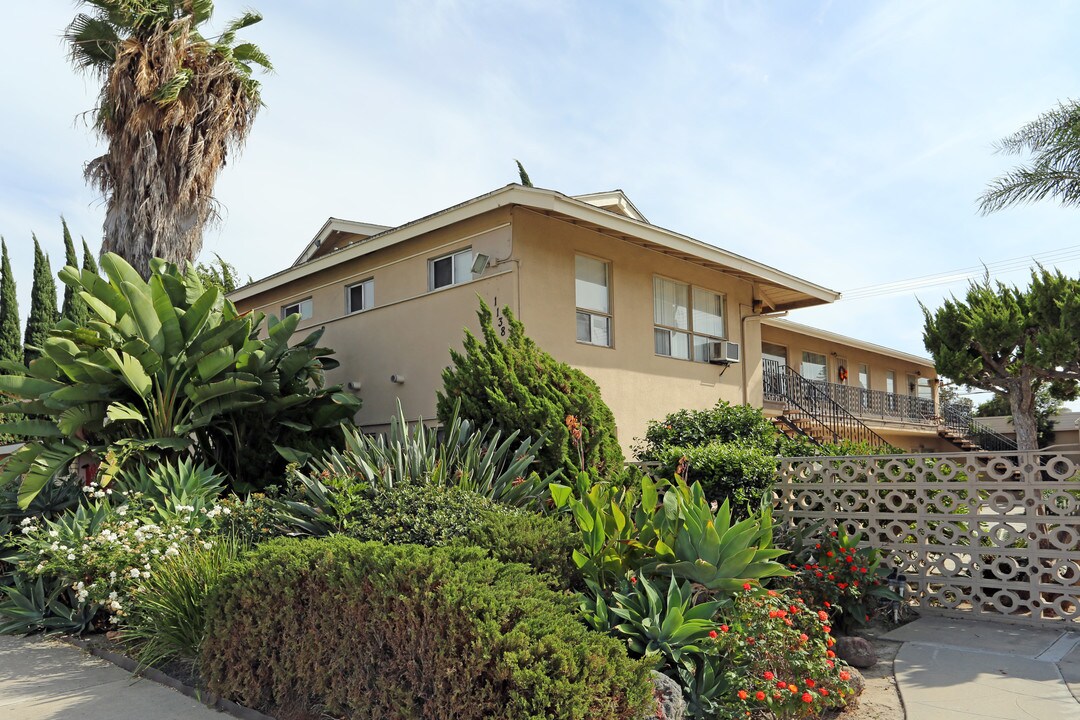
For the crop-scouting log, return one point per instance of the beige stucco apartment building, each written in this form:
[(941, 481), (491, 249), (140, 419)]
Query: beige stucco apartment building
[(661, 321)]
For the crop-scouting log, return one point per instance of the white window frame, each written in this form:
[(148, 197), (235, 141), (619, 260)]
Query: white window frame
[(370, 282), (299, 305), (454, 279), (689, 329), (591, 312)]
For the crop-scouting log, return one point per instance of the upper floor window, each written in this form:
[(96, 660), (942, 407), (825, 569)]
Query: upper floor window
[(814, 366), (360, 296), (592, 284), (301, 307), (686, 320), (452, 269)]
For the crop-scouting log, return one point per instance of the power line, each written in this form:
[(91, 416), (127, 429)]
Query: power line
[(963, 274)]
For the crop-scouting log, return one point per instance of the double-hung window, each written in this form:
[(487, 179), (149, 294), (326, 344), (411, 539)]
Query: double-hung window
[(300, 307), (592, 287), (686, 320), (360, 296), (452, 269), (814, 366)]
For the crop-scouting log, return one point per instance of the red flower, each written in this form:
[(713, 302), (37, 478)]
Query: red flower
[(743, 694), (768, 675), (724, 628), (845, 675), (746, 586), (827, 604), (781, 684), (810, 682), (759, 696), (824, 692), (822, 615), (633, 581), (713, 634), (772, 593), (827, 629), (803, 637), (807, 698), (829, 554), (830, 653)]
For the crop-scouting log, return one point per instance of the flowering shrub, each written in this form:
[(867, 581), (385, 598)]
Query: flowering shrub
[(104, 551), (833, 572), (779, 658)]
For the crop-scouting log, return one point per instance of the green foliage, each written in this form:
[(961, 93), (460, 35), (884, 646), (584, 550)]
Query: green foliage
[(726, 471), (34, 604), (1011, 342), (775, 650), (403, 632), (219, 274), (668, 528), (43, 312), (512, 382), (543, 542), (172, 488), (472, 457), (832, 571), (11, 348), (88, 259), (74, 307), (724, 423), (168, 368), (167, 619), (1053, 141), (523, 177)]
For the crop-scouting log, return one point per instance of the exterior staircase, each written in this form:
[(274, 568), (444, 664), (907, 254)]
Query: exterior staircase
[(810, 411), (957, 425)]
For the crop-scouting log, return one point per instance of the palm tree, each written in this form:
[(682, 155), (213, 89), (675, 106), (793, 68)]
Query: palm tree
[(1053, 140), (173, 103)]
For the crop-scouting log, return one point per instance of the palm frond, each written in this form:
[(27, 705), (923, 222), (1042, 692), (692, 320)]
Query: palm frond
[(1059, 124), (246, 53), (92, 41)]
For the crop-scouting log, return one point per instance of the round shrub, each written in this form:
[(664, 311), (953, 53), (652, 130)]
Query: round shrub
[(545, 543), (417, 514), (305, 628), (725, 423), (725, 471)]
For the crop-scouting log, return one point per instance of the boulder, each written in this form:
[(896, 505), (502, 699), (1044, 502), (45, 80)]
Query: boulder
[(856, 651), (669, 699)]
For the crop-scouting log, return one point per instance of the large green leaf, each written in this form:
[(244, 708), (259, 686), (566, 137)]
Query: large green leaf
[(52, 459), (32, 428), (132, 371), (74, 419), (193, 321), (27, 387), (118, 412), (166, 314), (211, 365), (144, 315)]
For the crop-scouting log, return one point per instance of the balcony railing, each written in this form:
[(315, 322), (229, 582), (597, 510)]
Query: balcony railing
[(958, 418), (866, 404)]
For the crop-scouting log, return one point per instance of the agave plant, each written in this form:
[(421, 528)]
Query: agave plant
[(30, 605), (170, 487), (166, 367), (480, 460)]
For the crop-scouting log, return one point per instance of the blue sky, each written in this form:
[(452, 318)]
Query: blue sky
[(845, 142)]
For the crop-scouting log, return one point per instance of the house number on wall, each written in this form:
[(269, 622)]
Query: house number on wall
[(499, 317)]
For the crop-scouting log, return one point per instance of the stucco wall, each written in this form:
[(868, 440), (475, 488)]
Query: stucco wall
[(636, 383)]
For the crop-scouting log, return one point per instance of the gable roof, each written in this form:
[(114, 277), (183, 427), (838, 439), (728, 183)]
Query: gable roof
[(777, 290), (330, 231)]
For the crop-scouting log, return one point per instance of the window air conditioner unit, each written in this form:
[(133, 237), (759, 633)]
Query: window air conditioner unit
[(724, 352)]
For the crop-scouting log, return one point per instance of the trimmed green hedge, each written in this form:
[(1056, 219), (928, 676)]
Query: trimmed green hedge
[(726, 471), (545, 543), (336, 626)]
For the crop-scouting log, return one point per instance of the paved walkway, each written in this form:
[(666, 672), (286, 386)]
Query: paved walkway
[(42, 679), (965, 669)]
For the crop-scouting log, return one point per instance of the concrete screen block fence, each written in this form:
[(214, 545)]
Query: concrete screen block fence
[(986, 535)]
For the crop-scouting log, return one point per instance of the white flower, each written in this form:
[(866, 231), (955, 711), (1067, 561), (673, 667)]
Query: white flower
[(112, 575), (172, 552), (54, 546), (54, 533), (207, 545), (145, 574), (226, 511), (87, 489), (197, 531), (135, 572), (25, 522), (27, 530), (71, 556), (108, 491)]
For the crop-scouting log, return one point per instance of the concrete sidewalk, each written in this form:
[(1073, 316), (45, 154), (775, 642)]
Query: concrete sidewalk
[(965, 669), (42, 679)]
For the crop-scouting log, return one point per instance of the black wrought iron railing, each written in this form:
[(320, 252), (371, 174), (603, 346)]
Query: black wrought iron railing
[(827, 419), (958, 418), (861, 403)]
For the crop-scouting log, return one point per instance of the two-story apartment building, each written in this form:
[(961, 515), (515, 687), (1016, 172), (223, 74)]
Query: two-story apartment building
[(660, 320)]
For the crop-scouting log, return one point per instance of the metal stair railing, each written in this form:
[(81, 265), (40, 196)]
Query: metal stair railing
[(817, 405), (958, 418)]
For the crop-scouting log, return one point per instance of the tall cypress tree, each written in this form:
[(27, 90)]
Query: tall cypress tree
[(88, 262), (74, 307), (10, 338), (43, 313)]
